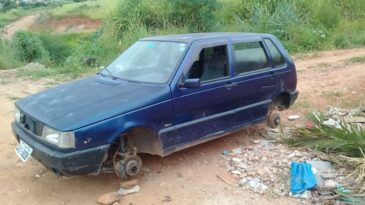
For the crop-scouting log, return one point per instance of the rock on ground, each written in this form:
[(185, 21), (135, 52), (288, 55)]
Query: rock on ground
[(109, 198)]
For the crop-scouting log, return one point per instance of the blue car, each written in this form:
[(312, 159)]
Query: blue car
[(161, 95)]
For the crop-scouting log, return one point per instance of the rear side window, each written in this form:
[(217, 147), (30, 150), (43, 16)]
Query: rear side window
[(250, 56), (277, 58)]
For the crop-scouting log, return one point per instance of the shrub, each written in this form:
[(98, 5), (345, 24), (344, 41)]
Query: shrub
[(29, 47), (327, 14), (198, 15), (130, 13), (7, 57), (56, 47)]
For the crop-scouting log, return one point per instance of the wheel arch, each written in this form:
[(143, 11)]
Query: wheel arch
[(281, 101), (145, 139)]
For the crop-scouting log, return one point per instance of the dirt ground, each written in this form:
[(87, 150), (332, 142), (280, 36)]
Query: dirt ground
[(39, 22), (188, 176)]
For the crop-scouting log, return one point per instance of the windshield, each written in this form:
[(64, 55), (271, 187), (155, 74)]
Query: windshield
[(147, 61)]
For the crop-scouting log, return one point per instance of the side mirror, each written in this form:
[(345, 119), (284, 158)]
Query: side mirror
[(192, 83)]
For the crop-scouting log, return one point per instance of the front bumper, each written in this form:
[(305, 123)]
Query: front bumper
[(87, 161)]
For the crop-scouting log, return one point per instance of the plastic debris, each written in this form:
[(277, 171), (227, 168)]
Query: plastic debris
[(301, 177)]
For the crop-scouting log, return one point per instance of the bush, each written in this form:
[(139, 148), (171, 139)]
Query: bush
[(29, 47), (327, 14), (198, 15), (56, 47), (145, 13), (7, 56)]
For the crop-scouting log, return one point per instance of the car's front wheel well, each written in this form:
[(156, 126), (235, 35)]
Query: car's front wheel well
[(144, 140), (281, 101)]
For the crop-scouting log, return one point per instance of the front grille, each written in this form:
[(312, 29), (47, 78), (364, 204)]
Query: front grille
[(31, 124)]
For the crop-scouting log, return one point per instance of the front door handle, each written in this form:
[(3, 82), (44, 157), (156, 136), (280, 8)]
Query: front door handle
[(230, 85)]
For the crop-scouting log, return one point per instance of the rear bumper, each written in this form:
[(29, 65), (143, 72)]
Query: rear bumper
[(87, 161), (293, 97)]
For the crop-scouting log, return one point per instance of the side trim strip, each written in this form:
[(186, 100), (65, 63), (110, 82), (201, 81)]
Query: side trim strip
[(207, 138), (211, 117)]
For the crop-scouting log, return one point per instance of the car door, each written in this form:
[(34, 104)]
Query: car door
[(205, 110), (255, 78)]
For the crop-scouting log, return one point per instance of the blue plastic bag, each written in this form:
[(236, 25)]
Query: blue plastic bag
[(301, 177)]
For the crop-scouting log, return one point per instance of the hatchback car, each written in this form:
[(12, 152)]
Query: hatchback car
[(161, 95)]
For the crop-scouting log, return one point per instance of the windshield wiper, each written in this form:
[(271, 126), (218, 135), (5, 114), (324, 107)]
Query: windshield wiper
[(110, 74)]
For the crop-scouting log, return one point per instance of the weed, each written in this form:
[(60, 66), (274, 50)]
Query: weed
[(346, 139), (13, 98), (29, 47), (357, 60), (331, 93)]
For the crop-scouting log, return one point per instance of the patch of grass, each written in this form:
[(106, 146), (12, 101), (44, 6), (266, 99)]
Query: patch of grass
[(331, 93), (356, 60), (98, 9), (302, 104), (13, 98), (4, 81)]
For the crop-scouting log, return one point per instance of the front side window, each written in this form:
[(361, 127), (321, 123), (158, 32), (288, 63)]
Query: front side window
[(277, 58), (147, 61), (250, 56), (211, 64)]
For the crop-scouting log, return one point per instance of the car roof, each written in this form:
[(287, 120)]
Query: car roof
[(190, 37)]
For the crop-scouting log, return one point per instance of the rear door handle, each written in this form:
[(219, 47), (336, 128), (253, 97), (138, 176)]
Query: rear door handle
[(229, 85)]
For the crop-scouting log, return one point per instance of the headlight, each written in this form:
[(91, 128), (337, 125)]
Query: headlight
[(60, 139), (16, 114)]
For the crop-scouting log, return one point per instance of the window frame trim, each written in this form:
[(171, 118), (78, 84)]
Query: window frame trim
[(263, 46), (285, 64), (224, 42)]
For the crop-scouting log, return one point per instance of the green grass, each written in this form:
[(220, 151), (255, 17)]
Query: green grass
[(98, 9), (302, 26), (331, 94), (356, 60), (346, 139)]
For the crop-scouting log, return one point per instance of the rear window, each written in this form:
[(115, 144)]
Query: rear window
[(277, 58), (250, 56)]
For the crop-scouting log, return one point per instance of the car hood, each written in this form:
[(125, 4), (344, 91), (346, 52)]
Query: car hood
[(82, 102)]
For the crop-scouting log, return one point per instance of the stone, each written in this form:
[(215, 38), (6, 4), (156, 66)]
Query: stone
[(235, 159), (243, 181), (237, 150), (261, 172), (330, 122), (108, 198), (116, 203), (241, 165), (256, 141), (293, 117), (328, 175), (254, 183), (237, 172), (129, 184), (330, 184), (146, 169), (122, 191), (227, 178), (305, 195)]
